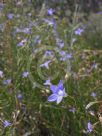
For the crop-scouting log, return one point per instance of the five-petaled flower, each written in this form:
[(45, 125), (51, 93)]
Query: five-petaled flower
[(58, 92), (79, 31), (93, 94), (46, 64), (47, 82), (89, 127), (7, 81), (50, 11), (6, 123), (10, 16), (25, 74)]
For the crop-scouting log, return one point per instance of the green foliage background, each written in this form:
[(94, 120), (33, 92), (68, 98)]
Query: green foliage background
[(33, 115)]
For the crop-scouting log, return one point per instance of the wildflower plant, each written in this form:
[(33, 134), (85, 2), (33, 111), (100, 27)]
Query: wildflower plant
[(58, 92), (50, 69)]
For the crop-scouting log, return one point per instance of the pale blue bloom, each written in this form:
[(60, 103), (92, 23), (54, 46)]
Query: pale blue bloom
[(58, 92), (60, 42), (47, 82), (79, 31), (65, 56), (50, 11), (93, 94), (50, 22), (26, 30), (72, 110), (62, 53), (49, 53), (6, 82), (6, 123), (25, 74), (94, 66), (37, 39), (74, 40), (89, 127), (29, 14), (22, 43), (19, 96), (10, 16), (46, 64)]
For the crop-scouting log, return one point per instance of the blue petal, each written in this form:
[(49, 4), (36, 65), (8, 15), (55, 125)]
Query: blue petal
[(47, 82), (60, 85), (52, 98), (59, 99), (53, 88)]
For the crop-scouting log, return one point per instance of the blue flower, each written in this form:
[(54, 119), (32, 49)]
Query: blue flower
[(79, 31), (25, 74), (58, 92), (94, 65), (6, 123), (10, 16), (26, 30), (89, 127), (6, 82), (65, 56), (22, 42), (47, 82), (60, 43), (46, 64), (37, 39), (19, 96), (74, 40), (50, 11), (49, 53), (72, 110), (50, 22), (93, 94)]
